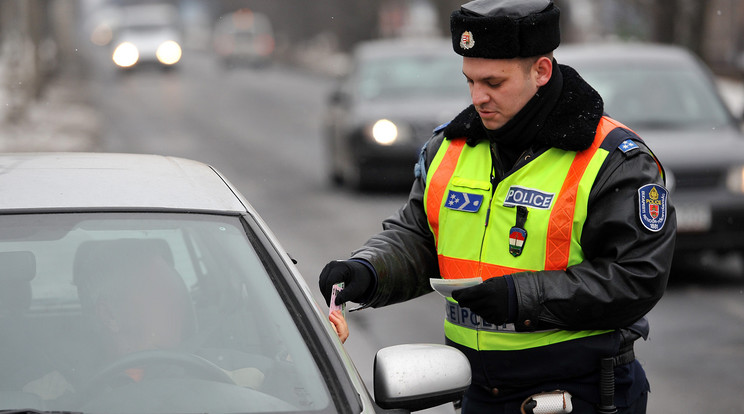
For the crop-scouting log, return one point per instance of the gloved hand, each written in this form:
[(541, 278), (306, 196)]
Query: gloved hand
[(358, 281), (489, 300)]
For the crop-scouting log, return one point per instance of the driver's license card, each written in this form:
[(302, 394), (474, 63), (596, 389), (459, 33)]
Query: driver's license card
[(338, 287)]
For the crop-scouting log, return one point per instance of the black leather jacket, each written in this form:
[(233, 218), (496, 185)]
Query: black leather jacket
[(626, 267)]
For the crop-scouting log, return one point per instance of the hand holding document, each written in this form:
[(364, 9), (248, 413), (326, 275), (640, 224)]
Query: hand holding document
[(445, 286)]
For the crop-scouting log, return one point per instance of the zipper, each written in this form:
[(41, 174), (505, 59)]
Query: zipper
[(494, 162)]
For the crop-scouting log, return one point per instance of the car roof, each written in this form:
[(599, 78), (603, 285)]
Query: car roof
[(623, 53), (112, 181)]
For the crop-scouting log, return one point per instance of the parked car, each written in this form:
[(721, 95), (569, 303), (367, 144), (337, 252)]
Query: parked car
[(380, 114), (244, 37), (670, 98), (148, 284), (147, 34)]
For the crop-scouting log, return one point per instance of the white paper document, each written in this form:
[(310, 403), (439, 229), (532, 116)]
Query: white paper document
[(445, 286)]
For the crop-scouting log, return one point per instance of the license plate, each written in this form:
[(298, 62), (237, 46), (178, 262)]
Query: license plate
[(693, 217)]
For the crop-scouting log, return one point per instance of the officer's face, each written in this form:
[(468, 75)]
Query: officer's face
[(500, 88)]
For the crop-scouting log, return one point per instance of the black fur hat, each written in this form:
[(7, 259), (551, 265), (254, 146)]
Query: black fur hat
[(505, 29)]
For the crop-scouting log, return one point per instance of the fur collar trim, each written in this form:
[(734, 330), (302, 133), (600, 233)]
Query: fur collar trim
[(570, 126)]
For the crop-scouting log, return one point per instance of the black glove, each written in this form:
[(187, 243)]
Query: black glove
[(489, 300), (358, 279)]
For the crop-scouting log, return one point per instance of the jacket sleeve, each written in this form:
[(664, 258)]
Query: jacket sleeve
[(626, 266), (403, 254)]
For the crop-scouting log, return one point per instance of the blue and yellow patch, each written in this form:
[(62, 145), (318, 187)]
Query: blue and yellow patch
[(652, 206)]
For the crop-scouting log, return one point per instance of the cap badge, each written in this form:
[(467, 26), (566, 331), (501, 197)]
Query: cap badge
[(466, 40)]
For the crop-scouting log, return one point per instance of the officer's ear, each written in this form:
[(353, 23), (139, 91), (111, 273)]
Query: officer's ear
[(543, 69)]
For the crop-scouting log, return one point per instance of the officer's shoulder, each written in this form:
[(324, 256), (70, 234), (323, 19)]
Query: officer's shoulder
[(440, 128), (428, 149), (435, 141), (625, 141)]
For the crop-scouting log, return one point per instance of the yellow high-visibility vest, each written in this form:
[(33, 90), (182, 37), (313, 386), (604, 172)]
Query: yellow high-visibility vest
[(473, 223)]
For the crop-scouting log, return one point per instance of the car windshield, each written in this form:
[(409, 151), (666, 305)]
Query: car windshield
[(657, 97), (411, 76), (147, 313)]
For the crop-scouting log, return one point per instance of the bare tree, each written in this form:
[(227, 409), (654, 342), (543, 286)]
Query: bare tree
[(680, 22)]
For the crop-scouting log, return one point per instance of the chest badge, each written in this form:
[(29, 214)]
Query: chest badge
[(528, 197), (460, 201), (517, 234), (517, 237)]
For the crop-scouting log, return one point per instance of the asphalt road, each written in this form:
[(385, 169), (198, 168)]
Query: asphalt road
[(262, 129)]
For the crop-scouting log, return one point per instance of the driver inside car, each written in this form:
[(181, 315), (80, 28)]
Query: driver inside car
[(137, 302)]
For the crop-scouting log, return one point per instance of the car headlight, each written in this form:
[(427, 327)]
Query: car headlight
[(735, 180), (168, 53), (126, 55), (386, 132)]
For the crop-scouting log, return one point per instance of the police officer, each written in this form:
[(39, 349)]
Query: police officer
[(558, 208)]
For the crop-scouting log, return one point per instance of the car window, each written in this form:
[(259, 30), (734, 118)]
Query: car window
[(657, 97), (118, 312), (402, 77)]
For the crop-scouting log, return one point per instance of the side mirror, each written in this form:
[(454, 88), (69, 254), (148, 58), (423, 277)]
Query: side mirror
[(419, 376)]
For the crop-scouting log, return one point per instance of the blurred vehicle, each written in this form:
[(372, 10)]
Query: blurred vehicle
[(147, 34), (380, 114), (244, 37), (147, 284), (669, 97)]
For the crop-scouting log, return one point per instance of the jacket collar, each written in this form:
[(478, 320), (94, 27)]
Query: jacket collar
[(570, 126)]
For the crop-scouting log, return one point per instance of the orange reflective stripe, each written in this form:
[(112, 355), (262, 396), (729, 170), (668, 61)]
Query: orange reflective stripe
[(439, 181), (453, 268), (558, 246)]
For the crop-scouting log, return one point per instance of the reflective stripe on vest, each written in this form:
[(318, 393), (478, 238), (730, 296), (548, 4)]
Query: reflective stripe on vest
[(475, 242)]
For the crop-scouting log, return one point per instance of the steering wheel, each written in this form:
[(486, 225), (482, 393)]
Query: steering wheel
[(193, 365)]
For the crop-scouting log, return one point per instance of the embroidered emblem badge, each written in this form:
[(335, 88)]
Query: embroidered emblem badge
[(628, 145), (652, 206), (517, 234), (517, 237), (457, 200), (466, 40)]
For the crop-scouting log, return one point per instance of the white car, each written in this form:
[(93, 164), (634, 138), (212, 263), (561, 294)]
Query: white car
[(148, 284), (147, 34)]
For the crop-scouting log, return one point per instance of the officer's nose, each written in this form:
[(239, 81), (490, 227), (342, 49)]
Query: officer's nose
[(478, 94)]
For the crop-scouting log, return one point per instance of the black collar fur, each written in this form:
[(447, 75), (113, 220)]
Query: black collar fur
[(570, 126)]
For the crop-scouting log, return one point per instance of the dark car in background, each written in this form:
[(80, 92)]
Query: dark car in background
[(670, 98), (396, 92), (244, 37), (134, 283)]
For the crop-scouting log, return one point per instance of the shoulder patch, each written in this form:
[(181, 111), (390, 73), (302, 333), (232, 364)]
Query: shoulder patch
[(627, 146), (652, 206)]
